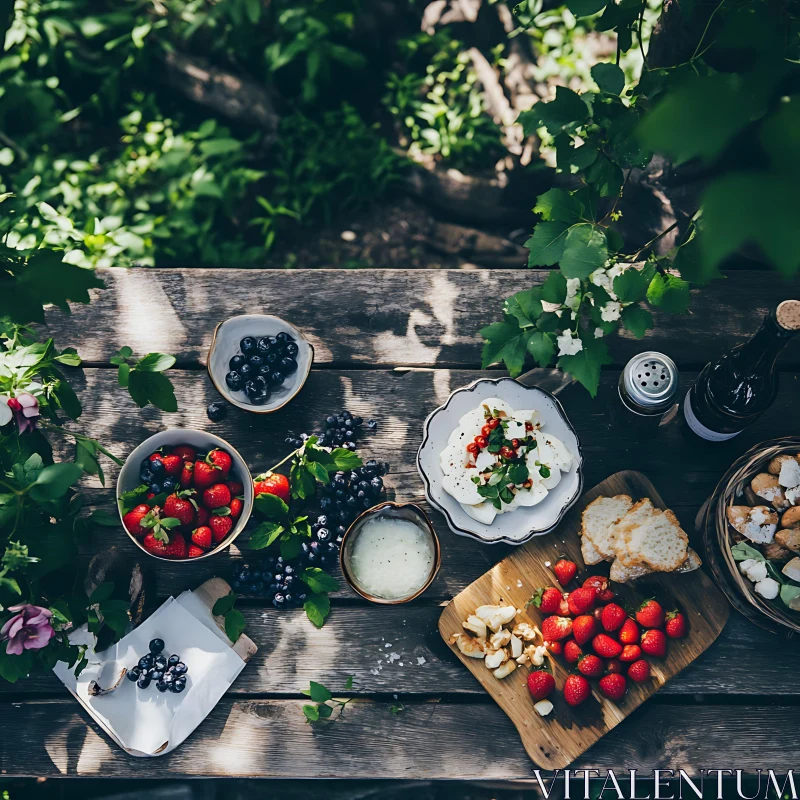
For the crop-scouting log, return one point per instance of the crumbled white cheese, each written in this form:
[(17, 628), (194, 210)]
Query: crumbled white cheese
[(790, 474), (757, 572), (543, 707), (568, 345), (761, 534), (793, 495), (757, 516), (768, 588)]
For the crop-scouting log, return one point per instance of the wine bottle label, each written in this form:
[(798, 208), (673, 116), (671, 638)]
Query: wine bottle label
[(699, 428)]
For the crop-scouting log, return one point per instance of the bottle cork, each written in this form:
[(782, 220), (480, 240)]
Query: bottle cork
[(788, 315)]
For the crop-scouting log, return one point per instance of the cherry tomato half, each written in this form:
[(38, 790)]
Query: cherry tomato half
[(481, 441), (485, 430), (507, 452), (473, 448), (515, 443), (493, 422)]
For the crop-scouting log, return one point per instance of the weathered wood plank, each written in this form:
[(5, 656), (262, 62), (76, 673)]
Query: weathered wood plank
[(682, 469), (379, 317), (291, 652), (270, 738)]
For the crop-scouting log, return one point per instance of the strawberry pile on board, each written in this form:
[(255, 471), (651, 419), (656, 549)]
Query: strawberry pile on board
[(198, 511), (598, 638)]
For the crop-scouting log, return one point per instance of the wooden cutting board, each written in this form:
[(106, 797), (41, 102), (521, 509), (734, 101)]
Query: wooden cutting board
[(555, 741)]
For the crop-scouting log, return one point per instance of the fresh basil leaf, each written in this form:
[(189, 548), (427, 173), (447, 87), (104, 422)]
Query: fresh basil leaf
[(54, 481), (318, 580), (155, 362), (290, 548), (224, 605), (265, 534), (324, 711), (317, 608), (234, 624), (311, 712), (345, 459), (318, 693)]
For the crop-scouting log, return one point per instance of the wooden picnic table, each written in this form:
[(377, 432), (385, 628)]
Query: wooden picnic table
[(392, 345)]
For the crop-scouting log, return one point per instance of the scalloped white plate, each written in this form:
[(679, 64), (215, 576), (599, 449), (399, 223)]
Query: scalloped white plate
[(522, 524)]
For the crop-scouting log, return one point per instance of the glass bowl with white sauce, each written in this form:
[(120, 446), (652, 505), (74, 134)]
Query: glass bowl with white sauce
[(390, 554)]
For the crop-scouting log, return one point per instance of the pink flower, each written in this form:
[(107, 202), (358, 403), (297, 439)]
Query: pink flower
[(26, 410), (28, 629)]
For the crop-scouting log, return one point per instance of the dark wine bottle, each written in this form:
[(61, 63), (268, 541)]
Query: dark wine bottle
[(734, 391)]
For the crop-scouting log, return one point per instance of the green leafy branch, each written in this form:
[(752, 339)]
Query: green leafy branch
[(235, 623), (144, 379), (324, 702)]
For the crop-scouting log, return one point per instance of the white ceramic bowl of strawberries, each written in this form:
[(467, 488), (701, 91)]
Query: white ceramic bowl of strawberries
[(208, 508)]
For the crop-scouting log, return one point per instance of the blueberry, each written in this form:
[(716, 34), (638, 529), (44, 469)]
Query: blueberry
[(156, 646), (247, 372), (284, 337), (133, 674), (291, 349), (263, 345), (168, 678), (160, 662), (351, 501), (234, 381), (372, 424), (236, 362), (288, 580), (288, 365), (376, 483), (250, 389), (146, 662), (145, 476), (323, 535), (169, 485), (260, 398), (180, 669), (279, 601), (247, 345), (178, 687), (255, 361), (145, 464), (162, 687), (272, 357), (173, 660), (157, 467), (143, 682), (358, 421), (236, 585), (325, 503), (216, 412), (155, 674), (265, 370), (276, 377), (155, 488)]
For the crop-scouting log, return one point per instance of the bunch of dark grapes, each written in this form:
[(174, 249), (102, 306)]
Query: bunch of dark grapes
[(350, 493), (341, 430)]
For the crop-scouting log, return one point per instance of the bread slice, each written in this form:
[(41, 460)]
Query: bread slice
[(658, 542), (637, 513), (598, 521), (589, 552), (619, 573)]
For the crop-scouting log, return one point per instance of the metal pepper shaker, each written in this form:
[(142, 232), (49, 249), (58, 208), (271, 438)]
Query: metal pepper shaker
[(647, 388)]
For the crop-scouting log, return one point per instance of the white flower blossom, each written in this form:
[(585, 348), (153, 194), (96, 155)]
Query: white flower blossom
[(598, 333), (617, 270), (568, 345), (573, 301), (551, 307), (610, 311), (604, 280)]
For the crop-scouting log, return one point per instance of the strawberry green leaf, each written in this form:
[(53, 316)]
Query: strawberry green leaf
[(271, 506), (265, 534), (290, 548), (585, 365)]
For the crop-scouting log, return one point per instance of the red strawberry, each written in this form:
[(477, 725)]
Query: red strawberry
[(650, 614), (202, 516), (598, 582), (236, 488), (176, 547), (631, 652), (563, 606), (272, 483), (639, 671), (615, 665), (581, 601), (576, 689), (219, 458), (565, 571), (613, 686), (572, 652), (172, 465), (583, 628), (187, 475), (184, 452), (547, 599), (195, 551), (540, 684), (676, 625), (202, 537), (153, 545), (556, 648), (216, 496), (220, 527), (205, 474), (590, 666), (236, 508), (156, 457), (556, 628), (654, 643), (132, 519), (614, 617), (629, 632), (177, 505), (605, 646)]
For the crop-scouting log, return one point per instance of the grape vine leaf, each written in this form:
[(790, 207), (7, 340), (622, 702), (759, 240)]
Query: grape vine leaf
[(567, 110), (585, 8), (585, 365), (542, 347), (688, 260), (557, 205), (554, 289), (152, 387), (630, 286), (547, 243), (669, 293), (525, 306), (585, 250), (609, 77), (637, 320), (568, 156), (505, 341)]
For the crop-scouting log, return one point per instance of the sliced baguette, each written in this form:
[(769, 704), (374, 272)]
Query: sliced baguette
[(598, 522), (589, 552), (657, 542), (637, 513)]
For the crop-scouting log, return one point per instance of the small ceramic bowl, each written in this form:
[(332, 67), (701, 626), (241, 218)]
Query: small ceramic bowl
[(202, 442), (406, 511), (225, 345)]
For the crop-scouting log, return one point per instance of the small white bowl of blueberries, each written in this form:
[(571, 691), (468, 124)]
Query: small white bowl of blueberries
[(259, 362)]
